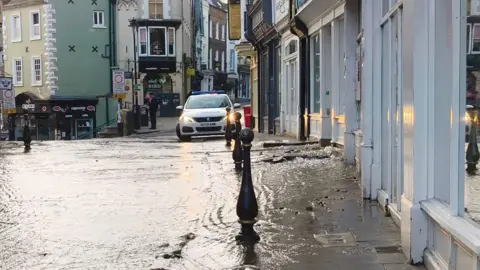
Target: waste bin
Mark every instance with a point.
(129, 125)
(247, 115)
(144, 116)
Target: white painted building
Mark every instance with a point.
(402, 65)
(206, 60)
(288, 58)
(158, 10)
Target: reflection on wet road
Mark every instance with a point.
(136, 203)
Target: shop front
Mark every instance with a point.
(74, 120)
(41, 121)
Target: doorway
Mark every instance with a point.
(291, 112)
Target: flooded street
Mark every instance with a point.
(153, 203)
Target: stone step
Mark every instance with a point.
(107, 134)
(110, 129)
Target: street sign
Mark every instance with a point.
(120, 96)
(137, 87)
(6, 83)
(8, 99)
(118, 82)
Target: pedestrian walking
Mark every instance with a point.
(152, 107)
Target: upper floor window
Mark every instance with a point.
(476, 39)
(171, 41)
(36, 71)
(155, 9)
(16, 34)
(222, 61)
(217, 28)
(142, 40)
(291, 47)
(223, 31)
(156, 41)
(98, 19)
(210, 28)
(35, 25)
(17, 69)
(232, 60)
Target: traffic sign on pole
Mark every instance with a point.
(118, 82)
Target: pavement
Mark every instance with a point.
(150, 202)
(164, 124)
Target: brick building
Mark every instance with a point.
(217, 45)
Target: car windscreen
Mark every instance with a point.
(207, 101)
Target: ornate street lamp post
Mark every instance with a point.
(472, 154)
(27, 138)
(247, 206)
(237, 153)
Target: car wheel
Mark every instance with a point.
(181, 137)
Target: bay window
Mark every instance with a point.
(160, 41)
(476, 39)
(171, 41)
(143, 41)
(157, 41)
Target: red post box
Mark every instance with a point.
(247, 115)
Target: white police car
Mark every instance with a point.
(204, 114)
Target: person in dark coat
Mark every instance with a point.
(152, 108)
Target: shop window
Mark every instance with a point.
(171, 41)
(157, 41)
(476, 39)
(315, 79)
(155, 9)
(278, 71)
(143, 41)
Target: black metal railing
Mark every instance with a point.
(97, 130)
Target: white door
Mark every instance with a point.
(291, 98)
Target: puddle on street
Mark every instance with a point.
(129, 204)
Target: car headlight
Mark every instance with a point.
(467, 118)
(186, 119)
(232, 118)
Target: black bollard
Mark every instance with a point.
(228, 129)
(237, 153)
(472, 154)
(27, 138)
(247, 206)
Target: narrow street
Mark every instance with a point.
(150, 202)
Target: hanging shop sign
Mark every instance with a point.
(234, 20)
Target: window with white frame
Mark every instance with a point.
(171, 41)
(315, 69)
(36, 70)
(155, 9)
(222, 61)
(157, 37)
(210, 55)
(17, 69)
(232, 60)
(142, 40)
(16, 29)
(98, 19)
(210, 28)
(476, 39)
(35, 33)
(223, 31)
(217, 29)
